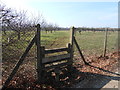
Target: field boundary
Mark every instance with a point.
(41, 65)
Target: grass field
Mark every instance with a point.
(91, 43)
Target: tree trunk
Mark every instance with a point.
(18, 35)
(51, 31)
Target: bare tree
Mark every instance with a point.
(51, 27)
(7, 17)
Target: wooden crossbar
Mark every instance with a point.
(56, 58)
(48, 51)
(57, 66)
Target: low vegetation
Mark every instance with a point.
(17, 32)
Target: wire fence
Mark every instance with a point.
(93, 42)
(14, 42)
(16, 39)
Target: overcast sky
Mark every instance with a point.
(71, 13)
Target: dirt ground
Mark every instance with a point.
(99, 81)
(102, 72)
(108, 77)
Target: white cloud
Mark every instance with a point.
(19, 4)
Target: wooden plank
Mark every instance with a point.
(48, 51)
(55, 58)
(19, 63)
(80, 51)
(57, 66)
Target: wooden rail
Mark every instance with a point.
(55, 58)
(57, 66)
(48, 51)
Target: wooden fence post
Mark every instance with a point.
(105, 43)
(43, 51)
(39, 54)
(72, 31)
(42, 66)
(70, 45)
(71, 53)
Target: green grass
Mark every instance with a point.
(91, 43)
(55, 40)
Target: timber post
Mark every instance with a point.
(105, 42)
(42, 66)
(39, 57)
(70, 45)
(72, 31)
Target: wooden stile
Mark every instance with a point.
(56, 62)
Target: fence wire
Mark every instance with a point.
(16, 39)
(14, 42)
(92, 44)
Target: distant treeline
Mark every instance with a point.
(96, 29)
(90, 29)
